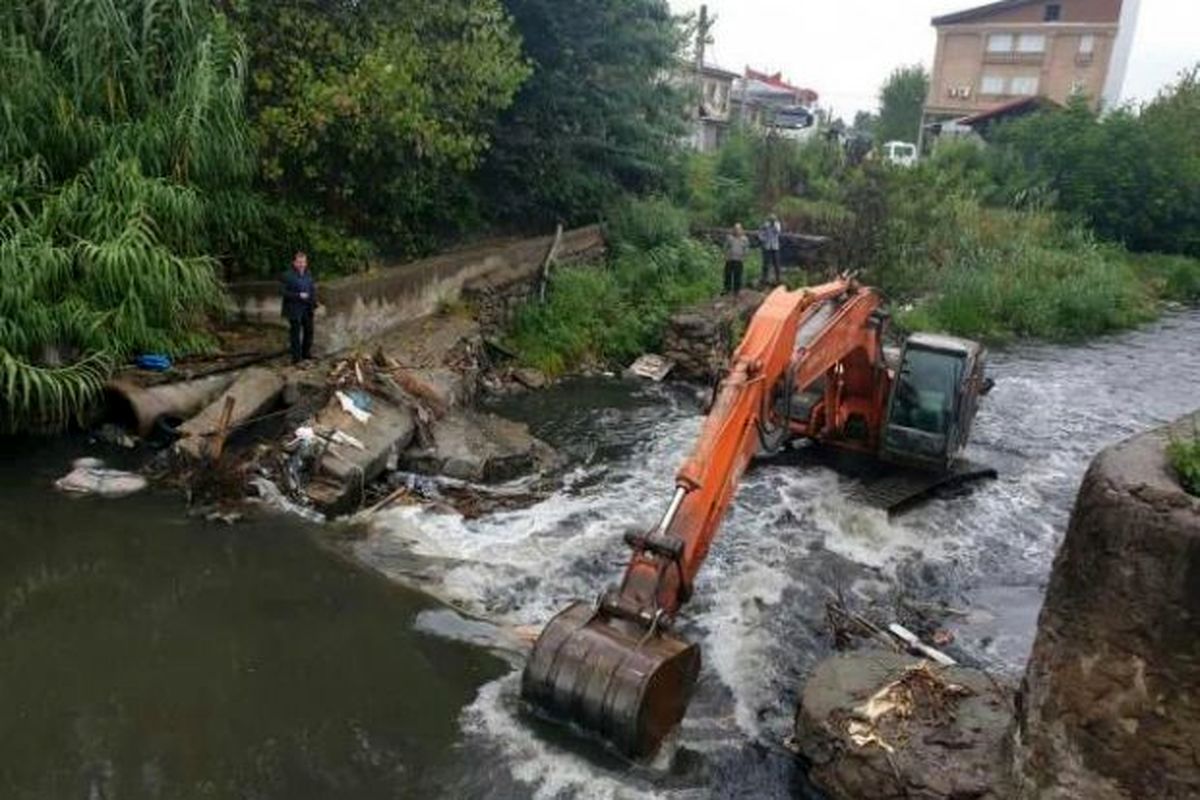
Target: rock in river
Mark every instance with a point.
(877, 724)
(478, 447)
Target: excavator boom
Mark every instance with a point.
(614, 667)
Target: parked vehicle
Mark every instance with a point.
(903, 154)
(794, 122)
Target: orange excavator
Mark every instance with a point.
(812, 365)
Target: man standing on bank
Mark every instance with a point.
(299, 303)
(737, 245)
(768, 237)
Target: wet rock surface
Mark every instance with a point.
(700, 338)
(1110, 706)
(473, 446)
(877, 724)
(344, 469)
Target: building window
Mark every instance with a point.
(1031, 43)
(991, 84)
(1000, 43)
(1053, 12)
(1087, 44)
(1027, 85)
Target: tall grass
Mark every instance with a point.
(995, 275)
(125, 167)
(1184, 457)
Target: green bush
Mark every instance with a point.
(1133, 174)
(1173, 278)
(996, 275)
(1184, 457)
(613, 312)
(286, 229)
(125, 168)
(645, 224)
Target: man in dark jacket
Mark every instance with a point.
(299, 302)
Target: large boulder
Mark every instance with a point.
(879, 725)
(1111, 697)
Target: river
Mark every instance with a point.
(154, 657)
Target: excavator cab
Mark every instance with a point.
(933, 401)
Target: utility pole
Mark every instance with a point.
(702, 30)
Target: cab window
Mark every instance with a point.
(926, 390)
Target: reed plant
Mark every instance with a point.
(125, 170)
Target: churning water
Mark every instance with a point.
(791, 541)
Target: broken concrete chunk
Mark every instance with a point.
(254, 392)
(699, 339)
(356, 452)
(479, 447)
(531, 378)
(651, 367)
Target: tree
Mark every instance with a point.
(598, 116)
(1135, 177)
(125, 165)
(900, 102)
(865, 122)
(374, 113)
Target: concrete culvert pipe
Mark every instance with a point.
(138, 408)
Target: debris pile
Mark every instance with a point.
(334, 437)
(879, 724)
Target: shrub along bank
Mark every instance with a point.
(615, 312)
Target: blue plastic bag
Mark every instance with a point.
(153, 362)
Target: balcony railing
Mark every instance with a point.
(1014, 58)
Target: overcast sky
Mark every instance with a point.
(844, 49)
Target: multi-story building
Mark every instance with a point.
(714, 101)
(995, 54)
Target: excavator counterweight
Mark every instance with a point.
(614, 667)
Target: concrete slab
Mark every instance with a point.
(479, 447)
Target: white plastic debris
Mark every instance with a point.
(651, 367)
(301, 436)
(88, 476)
(351, 408)
(340, 437)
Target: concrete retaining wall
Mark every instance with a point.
(358, 307)
(1110, 705)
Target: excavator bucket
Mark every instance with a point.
(612, 677)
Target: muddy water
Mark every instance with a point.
(791, 541)
(146, 656)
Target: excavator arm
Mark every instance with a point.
(612, 666)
